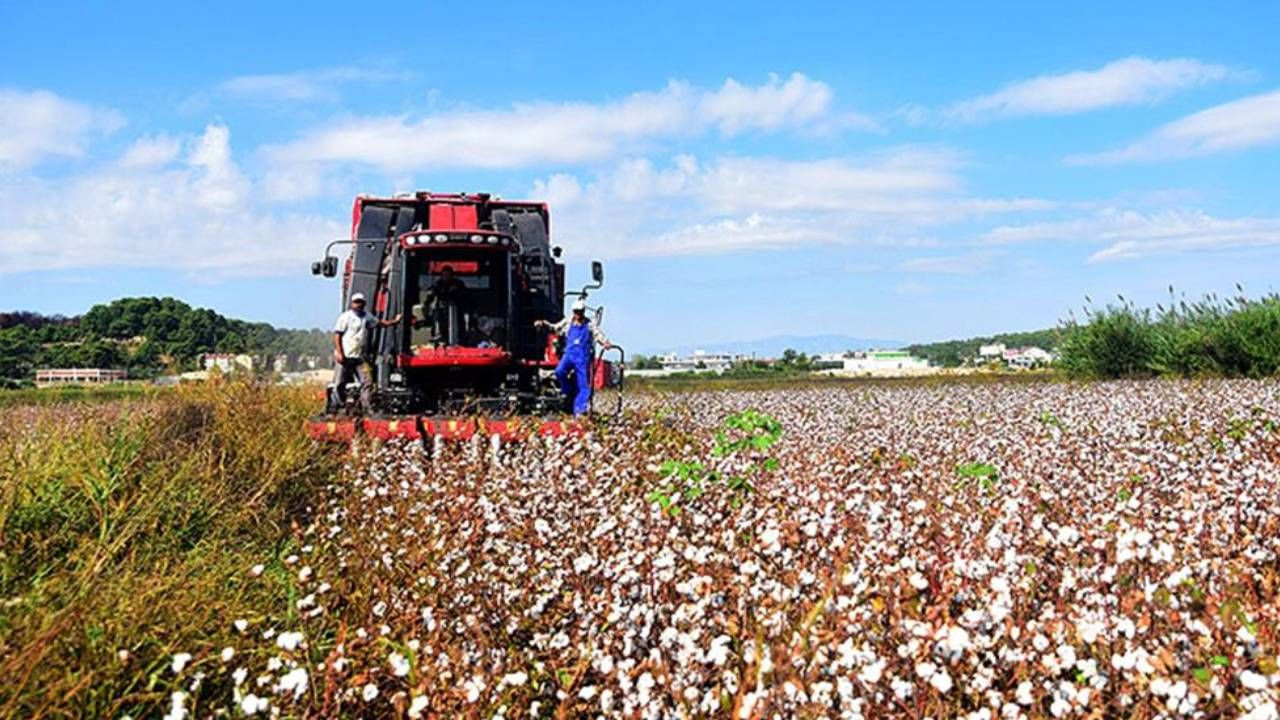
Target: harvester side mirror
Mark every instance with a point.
(597, 272)
(317, 267)
(330, 266)
(556, 251)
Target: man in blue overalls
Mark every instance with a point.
(580, 340)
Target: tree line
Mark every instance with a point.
(145, 335)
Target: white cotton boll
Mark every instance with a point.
(399, 664)
(583, 563)
(257, 569)
(178, 707)
(515, 679)
(473, 688)
(718, 654)
(957, 642)
(1252, 680)
(252, 704)
(179, 662)
(241, 625)
(416, 706)
(941, 681)
(918, 581)
(305, 573)
(1265, 710)
(227, 654)
(1067, 655)
(369, 692)
(1023, 693)
(871, 674)
(925, 670)
(769, 539)
(289, 641)
(294, 681)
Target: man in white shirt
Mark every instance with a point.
(350, 341)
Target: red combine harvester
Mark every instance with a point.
(469, 361)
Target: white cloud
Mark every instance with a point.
(744, 203)
(950, 264)
(1130, 234)
(1252, 121)
(1131, 81)
(37, 124)
(151, 152)
(567, 132)
(319, 85)
(197, 214)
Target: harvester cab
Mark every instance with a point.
(471, 278)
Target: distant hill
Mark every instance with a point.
(143, 335)
(951, 353)
(775, 345)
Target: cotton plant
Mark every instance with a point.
(1119, 561)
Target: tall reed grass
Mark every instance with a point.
(126, 531)
(1221, 337)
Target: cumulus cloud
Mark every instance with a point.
(37, 124)
(1252, 121)
(197, 213)
(1131, 81)
(1129, 234)
(567, 132)
(747, 203)
(151, 152)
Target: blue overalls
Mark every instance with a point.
(578, 350)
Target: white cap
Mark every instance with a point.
(357, 296)
(579, 305)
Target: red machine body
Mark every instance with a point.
(473, 278)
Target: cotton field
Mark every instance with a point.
(982, 551)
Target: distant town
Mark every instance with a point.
(852, 363)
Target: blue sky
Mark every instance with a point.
(888, 170)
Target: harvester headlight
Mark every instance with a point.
(441, 238)
(477, 239)
(492, 239)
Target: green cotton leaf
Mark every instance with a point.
(770, 464)
(1204, 675)
(1220, 661)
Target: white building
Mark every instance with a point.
(828, 361)
(884, 362)
(78, 376)
(699, 361)
(991, 353)
(1027, 357)
(227, 362)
